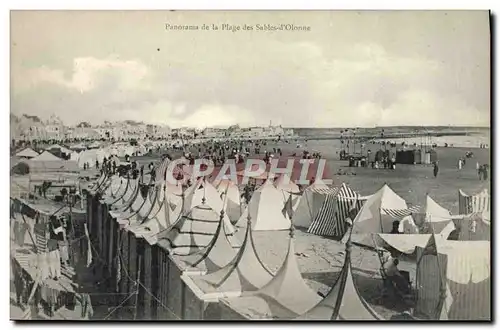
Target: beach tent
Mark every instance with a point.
(330, 219)
(45, 157)
(27, 153)
(477, 203)
(380, 211)
(193, 231)
(246, 272)
(284, 297)
(435, 218)
(174, 202)
(265, 209)
(343, 302)
(289, 189)
(454, 280)
(217, 254)
(53, 166)
(230, 195)
(204, 192)
(60, 148)
(310, 203)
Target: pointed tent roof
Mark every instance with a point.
(230, 195)
(193, 231)
(117, 195)
(265, 209)
(373, 219)
(57, 146)
(150, 227)
(246, 272)
(115, 183)
(435, 212)
(219, 253)
(27, 153)
(288, 288)
(343, 302)
(46, 157)
(203, 190)
(174, 202)
(125, 215)
(128, 197)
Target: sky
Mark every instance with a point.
(350, 69)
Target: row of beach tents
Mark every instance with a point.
(190, 223)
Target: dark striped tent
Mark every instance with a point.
(330, 219)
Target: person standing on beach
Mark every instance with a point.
(478, 169)
(436, 169)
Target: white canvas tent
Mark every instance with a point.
(27, 153)
(343, 302)
(193, 231)
(204, 191)
(376, 215)
(436, 218)
(45, 157)
(216, 255)
(246, 272)
(265, 209)
(284, 297)
(289, 190)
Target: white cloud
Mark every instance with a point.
(88, 73)
(293, 84)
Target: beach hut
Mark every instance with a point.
(454, 280)
(284, 297)
(266, 209)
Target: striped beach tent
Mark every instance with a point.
(478, 203)
(310, 203)
(330, 220)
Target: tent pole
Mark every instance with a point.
(380, 219)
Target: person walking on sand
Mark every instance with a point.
(460, 163)
(478, 169)
(436, 169)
